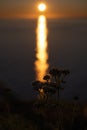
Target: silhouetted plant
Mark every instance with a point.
(5, 94)
(47, 78)
(58, 75)
(7, 97)
(52, 83)
(75, 107)
(76, 98)
(37, 85)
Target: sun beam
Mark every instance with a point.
(41, 64)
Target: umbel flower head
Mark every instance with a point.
(52, 83)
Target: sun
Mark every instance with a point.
(42, 7)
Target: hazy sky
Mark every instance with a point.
(55, 8)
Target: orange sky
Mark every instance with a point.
(55, 9)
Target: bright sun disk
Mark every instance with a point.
(42, 7)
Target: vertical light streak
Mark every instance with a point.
(41, 64)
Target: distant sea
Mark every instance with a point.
(67, 47)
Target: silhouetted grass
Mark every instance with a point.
(39, 116)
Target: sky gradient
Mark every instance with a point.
(55, 8)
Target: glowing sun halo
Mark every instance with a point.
(42, 7)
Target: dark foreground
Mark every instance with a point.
(34, 115)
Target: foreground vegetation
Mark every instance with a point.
(39, 116)
(47, 112)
